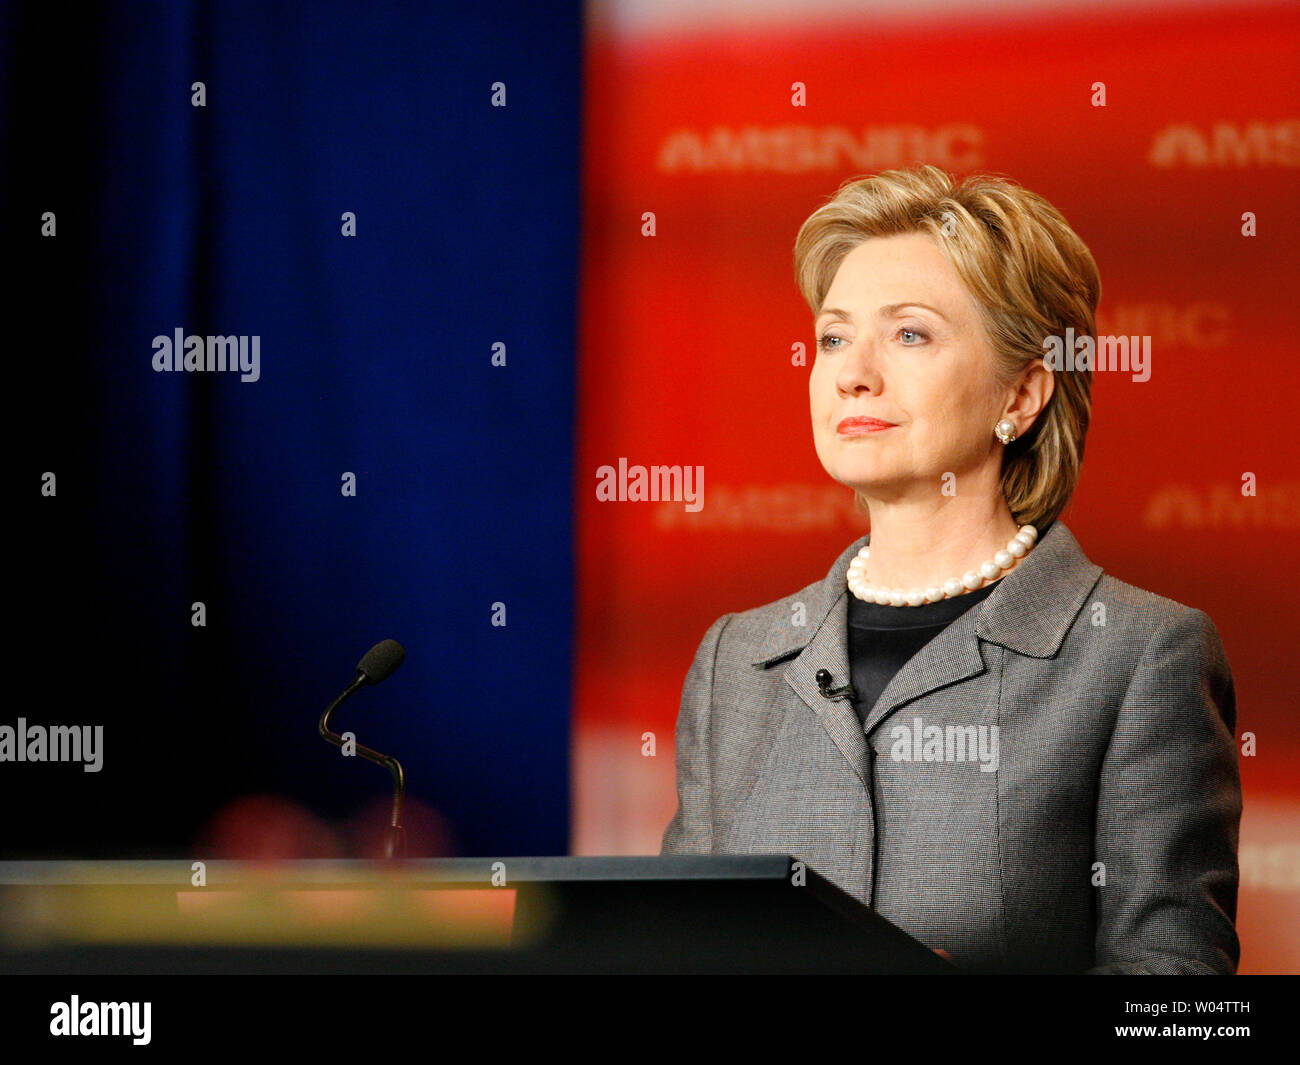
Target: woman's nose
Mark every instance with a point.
(859, 369)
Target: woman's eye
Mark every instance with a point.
(911, 338)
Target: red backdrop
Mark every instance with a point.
(687, 337)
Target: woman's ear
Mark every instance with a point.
(1029, 395)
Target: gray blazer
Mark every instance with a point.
(1095, 829)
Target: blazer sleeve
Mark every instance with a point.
(691, 829)
(1169, 810)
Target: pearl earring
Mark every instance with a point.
(1005, 430)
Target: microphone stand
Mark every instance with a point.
(395, 837)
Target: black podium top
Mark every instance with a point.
(620, 914)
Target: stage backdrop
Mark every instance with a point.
(384, 196)
(726, 131)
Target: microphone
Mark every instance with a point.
(379, 663)
(824, 686)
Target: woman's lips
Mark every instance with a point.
(859, 426)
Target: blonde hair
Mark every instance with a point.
(1029, 274)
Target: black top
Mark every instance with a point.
(883, 638)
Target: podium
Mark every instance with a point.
(670, 914)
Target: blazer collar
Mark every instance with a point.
(1029, 613)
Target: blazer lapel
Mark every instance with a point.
(829, 650)
(951, 656)
(821, 643)
(1029, 613)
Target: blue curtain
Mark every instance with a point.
(375, 360)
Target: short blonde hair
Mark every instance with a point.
(1029, 274)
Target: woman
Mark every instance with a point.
(967, 725)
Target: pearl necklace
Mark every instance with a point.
(1017, 547)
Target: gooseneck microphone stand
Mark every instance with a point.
(395, 843)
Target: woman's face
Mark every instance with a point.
(899, 340)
